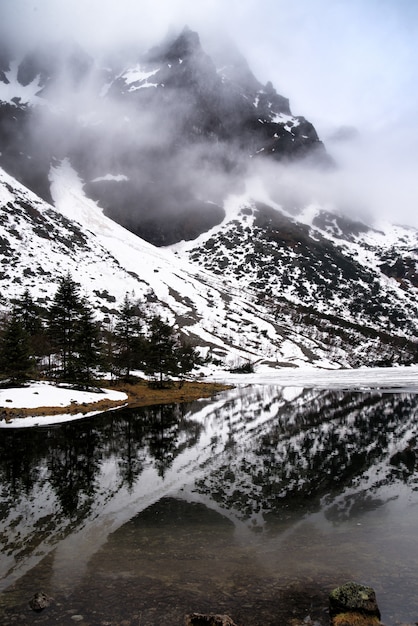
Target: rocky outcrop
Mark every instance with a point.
(353, 604)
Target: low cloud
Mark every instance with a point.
(340, 64)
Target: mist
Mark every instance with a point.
(341, 64)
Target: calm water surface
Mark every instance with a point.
(256, 504)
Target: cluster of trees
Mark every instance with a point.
(66, 342)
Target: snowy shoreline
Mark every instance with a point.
(43, 394)
(37, 394)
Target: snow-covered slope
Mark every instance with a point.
(209, 290)
(40, 243)
(342, 281)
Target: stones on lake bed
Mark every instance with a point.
(200, 619)
(40, 601)
(353, 604)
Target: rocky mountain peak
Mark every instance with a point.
(185, 45)
(176, 49)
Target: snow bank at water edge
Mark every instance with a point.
(42, 394)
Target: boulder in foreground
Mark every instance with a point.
(353, 604)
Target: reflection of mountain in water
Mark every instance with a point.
(316, 446)
(253, 453)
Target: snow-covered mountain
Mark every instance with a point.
(114, 162)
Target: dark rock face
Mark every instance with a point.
(403, 269)
(340, 226)
(5, 58)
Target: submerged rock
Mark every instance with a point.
(353, 604)
(199, 619)
(40, 601)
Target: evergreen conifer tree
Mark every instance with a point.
(188, 358)
(16, 361)
(88, 344)
(129, 337)
(29, 315)
(166, 355)
(73, 332)
(63, 322)
(161, 361)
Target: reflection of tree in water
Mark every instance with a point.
(128, 447)
(18, 468)
(70, 457)
(73, 464)
(163, 435)
(404, 461)
(164, 439)
(310, 450)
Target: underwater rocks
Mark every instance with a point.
(39, 602)
(199, 619)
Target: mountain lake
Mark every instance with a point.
(255, 504)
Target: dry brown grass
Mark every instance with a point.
(139, 394)
(355, 619)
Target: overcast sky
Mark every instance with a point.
(340, 62)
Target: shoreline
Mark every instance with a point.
(137, 394)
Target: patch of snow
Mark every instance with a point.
(137, 74)
(283, 118)
(26, 94)
(143, 86)
(46, 394)
(115, 177)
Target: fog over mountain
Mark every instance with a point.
(159, 141)
(340, 64)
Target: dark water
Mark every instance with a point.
(255, 504)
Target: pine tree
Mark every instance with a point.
(16, 361)
(64, 316)
(166, 353)
(88, 345)
(73, 331)
(29, 315)
(188, 358)
(161, 359)
(129, 337)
